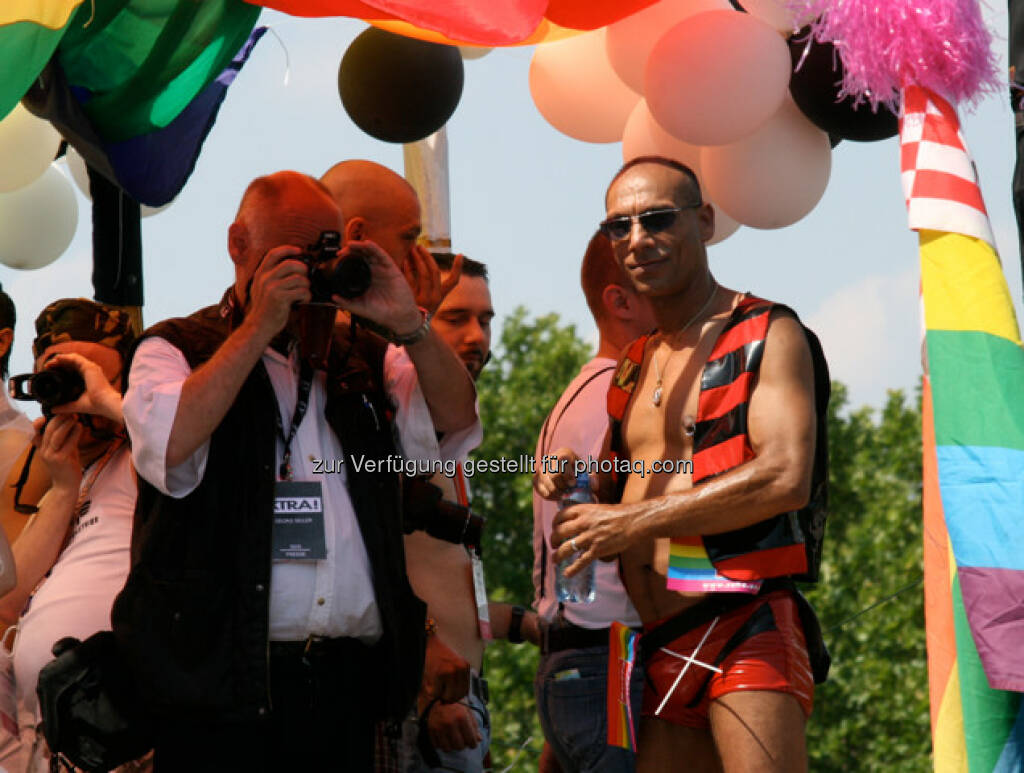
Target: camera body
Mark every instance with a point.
(49, 387)
(426, 510)
(348, 276)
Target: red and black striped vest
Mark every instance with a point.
(788, 544)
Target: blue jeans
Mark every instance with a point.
(571, 690)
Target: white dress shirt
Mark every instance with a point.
(331, 597)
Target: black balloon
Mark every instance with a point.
(399, 89)
(815, 84)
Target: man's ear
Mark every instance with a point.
(6, 339)
(238, 242)
(355, 230)
(615, 301)
(706, 221)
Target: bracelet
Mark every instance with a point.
(515, 624)
(416, 335)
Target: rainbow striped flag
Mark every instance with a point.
(973, 441)
(690, 569)
(622, 641)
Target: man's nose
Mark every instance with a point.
(637, 234)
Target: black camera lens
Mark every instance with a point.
(49, 387)
(348, 277)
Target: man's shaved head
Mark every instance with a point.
(376, 204)
(687, 184)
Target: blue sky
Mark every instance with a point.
(525, 200)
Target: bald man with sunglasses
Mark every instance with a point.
(716, 502)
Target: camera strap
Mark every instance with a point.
(301, 403)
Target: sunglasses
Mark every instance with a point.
(654, 221)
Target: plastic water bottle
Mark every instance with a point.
(578, 589)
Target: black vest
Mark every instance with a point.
(192, 618)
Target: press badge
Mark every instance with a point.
(298, 521)
(483, 606)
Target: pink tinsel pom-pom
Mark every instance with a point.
(942, 45)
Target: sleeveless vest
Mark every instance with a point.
(785, 545)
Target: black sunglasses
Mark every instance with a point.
(654, 221)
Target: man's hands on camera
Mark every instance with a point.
(100, 397)
(389, 301)
(57, 440)
(280, 281)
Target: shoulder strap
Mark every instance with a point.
(627, 374)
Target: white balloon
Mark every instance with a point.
(775, 176)
(725, 226)
(775, 13)
(38, 222)
(27, 146)
(79, 173)
(630, 40)
(717, 77)
(576, 90)
(474, 52)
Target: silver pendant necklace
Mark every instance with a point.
(656, 395)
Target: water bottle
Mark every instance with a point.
(578, 589)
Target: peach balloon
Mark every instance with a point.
(577, 91)
(725, 226)
(775, 176)
(644, 137)
(630, 40)
(775, 13)
(717, 77)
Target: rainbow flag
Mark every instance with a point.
(973, 441)
(622, 641)
(690, 569)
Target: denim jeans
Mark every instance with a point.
(571, 690)
(464, 761)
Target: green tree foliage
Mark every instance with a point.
(872, 715)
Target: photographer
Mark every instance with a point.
(263, 641)
(72, 555)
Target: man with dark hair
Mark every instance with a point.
(574, 640)
(267, 617)
(72, 555)
(15, 428)
(718, 441)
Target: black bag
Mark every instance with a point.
(91, 714)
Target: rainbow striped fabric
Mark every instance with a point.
(973, 439)
(690, 569)
(621, 658)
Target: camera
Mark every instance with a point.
(49, 387)
(426, 510)
(348, 276)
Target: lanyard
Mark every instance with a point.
(301, 403)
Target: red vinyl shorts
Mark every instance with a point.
(773, 657)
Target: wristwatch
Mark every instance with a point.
(416, 335)
(515, 624)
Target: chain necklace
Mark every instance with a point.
(656, 396)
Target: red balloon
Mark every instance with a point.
(592, 14)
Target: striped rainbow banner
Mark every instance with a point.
(690, 569)
(622, 641)
(973, 441)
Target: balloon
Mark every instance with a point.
(398, 89)
(576, 90)
(27, 146)
(473, 52)
(644, 137)
(775, 176)
(630, 41)
(774, 13)
(815, 85)
(37, 222)
(591, 14)
(79, 173)
(716, 77)
(725, 226)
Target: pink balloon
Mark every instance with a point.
(644, 137)
(630, 40)
(576, 90)
(725, 226)
(775, 176)
(717, 77)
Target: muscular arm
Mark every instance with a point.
(781, 427)
(446, 384)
